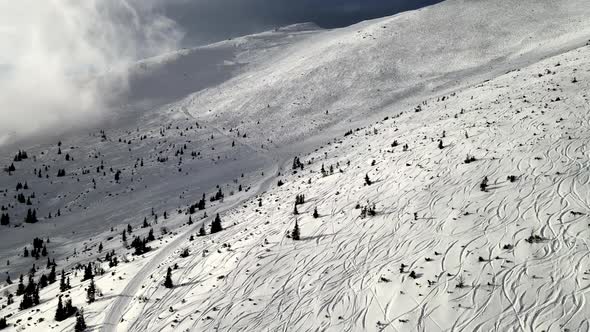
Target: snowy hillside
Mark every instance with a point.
(441, 252)
(439, 158)
(357, 72)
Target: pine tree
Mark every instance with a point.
(484, 184)
(36, 298)
(69, 308)
(64, 311)
(63, 284)
(168, 282)
(3, 323)
(31, 217)
(315, 213)
(59, 312)
(80, 322)
(51, 277)
(151, 236)
(295, 233)
(31, 295)
(368, 180)
(202, 231)
(88, 273)
(201, 204)
(4, 219)
(91, 292)
(43, 281)
(21, 286)
(295, 212)
(216, 225)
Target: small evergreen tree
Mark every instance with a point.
(201, 204)
(64, 284)
(64, 311)
(295, 233)
(4, 219)
(80, 322)
(168, 282)
(368, 180)
(43, 281)
(216, 225)
(51, 277)
(202, 231)
(31, 217)
(88, 273)
(315, 213)
(185, 253)
(484, 184)
(91, 292)
(3, 323)
(21, 286)
(31, 295)
(151, 236)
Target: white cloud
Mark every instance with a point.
(49, 49)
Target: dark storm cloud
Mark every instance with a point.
(207, 21)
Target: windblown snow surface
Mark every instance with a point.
(505, 82)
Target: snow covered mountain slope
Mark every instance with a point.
(265, 83)
(357, 72)
(215, 126)
(433, 250)
(441, 252)
(166, 159)
(156, 81)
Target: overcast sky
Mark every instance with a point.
(208, 21)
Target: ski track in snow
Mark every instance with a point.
(344, 274)
(117, 310)
(330, 279)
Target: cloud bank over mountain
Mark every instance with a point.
(50, 49)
